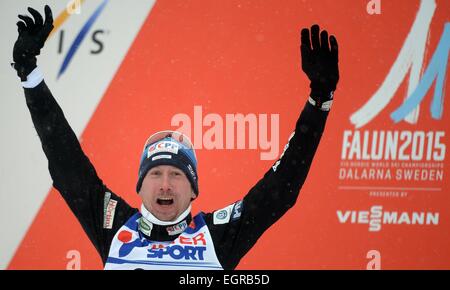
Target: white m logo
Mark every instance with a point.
(411, 58)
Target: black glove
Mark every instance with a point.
(32, 36)
(320, 63)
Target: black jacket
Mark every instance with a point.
(76, 179)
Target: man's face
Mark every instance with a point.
(166, 192)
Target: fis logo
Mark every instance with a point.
(85, 29)
(411, 59)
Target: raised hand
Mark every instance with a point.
(320, 63)
(32, 35)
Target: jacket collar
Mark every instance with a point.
(157, 230)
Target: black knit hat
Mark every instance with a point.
(169, 148)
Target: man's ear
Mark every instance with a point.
(193, 195)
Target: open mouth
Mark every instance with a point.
(164, 201)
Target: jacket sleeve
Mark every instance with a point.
(100, 212)
(272, 196)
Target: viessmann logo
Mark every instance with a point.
(375, 217)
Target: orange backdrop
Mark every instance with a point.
(234, 57)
